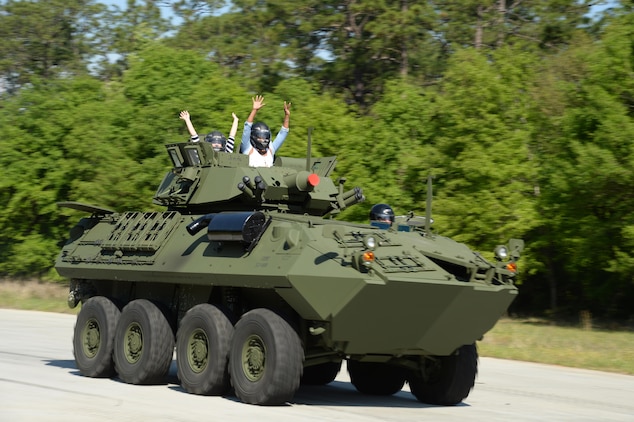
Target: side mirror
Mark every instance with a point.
(516, 246)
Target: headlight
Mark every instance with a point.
(369, 242)
(501, 252)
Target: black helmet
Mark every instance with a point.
(260, 136)
(382, 212)
(217, 139)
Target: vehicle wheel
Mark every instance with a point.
(266, 359)
(93, 337)
(321, 374)
(374, 378)
(143, 343)
(203, 342)
(450, 381)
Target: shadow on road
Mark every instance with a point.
(337, 393)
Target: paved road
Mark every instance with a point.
(39, 382)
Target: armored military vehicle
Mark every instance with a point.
(247, 276)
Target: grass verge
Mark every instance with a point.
(532, 340)
(35, 296)
(536, 340)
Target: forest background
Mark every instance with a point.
(521, 110)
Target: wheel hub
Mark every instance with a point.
(133, 346)
(198, 351)
(91, 338)
(254, 358)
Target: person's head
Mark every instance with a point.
(260, 137)
(382, 213)
(217, 140)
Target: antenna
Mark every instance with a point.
(310, 131)
(428, 206)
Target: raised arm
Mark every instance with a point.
(283, 133)
(232, 133)
(258, 103)
(287, 114)
(184, 115)
(234, 126)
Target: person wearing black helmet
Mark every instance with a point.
(381, 215)
(216, 138)
(256, 137)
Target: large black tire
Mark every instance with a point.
(143, 344)
(93, 338)
(203, 342)
(266, 359)
(321, 374)
(450, 381)
(374, 378)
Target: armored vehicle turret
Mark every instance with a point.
(247, 275)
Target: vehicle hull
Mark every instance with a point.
(427, 312)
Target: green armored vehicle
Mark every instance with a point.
(247, 276)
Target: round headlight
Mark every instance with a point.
(369, 242)
(501, 252)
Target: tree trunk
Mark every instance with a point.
(500, 23)
(404, 51)
(477, 42)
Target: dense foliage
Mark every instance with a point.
(523, 112)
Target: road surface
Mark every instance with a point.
(39, 382)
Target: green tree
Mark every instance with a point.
(350, 46)
(125, 32)
(491, 24)
(45, 39)
(484, 172)
(586, 154)
(372, 41)
(40, 134)
(397, 152)
(248, 40)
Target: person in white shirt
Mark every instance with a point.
(256, 137)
